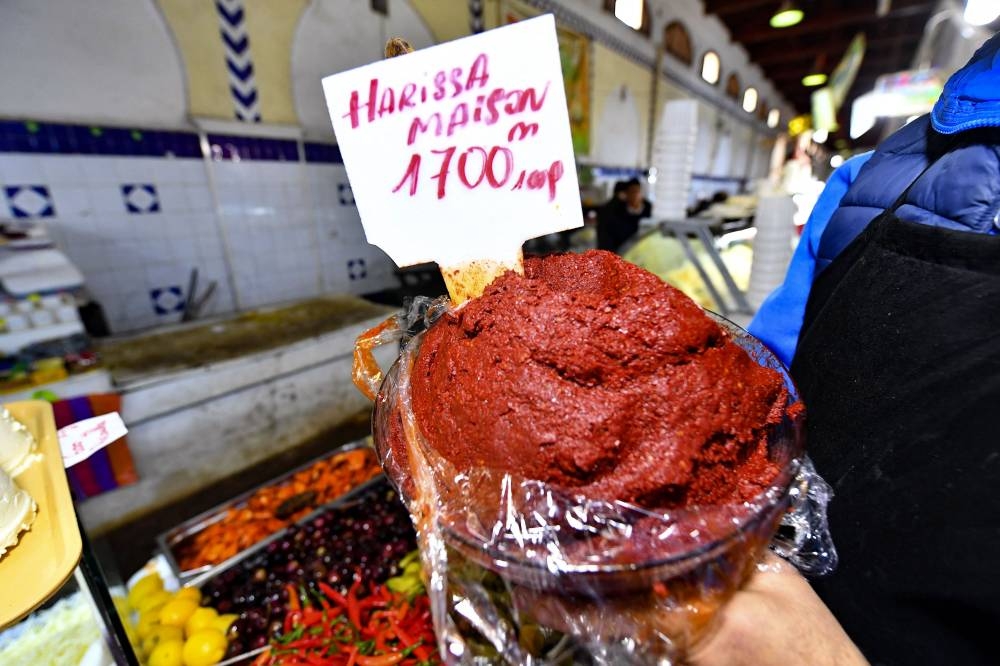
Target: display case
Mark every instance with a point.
(77, 626)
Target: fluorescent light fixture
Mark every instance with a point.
(629, 12)
(787, 16)
(981, 12)
(773, 117)
(836, 161)
(750, 100)
(813, 80)
(820, 136)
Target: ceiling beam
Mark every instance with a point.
(826, 21)
(773, 56)
(727, 7)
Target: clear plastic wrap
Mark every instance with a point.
(521, 572)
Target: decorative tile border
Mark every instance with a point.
(60, 139)
(234, 147)
(34, 137)
(326, 153)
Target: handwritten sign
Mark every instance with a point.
(78, 441)
(460, 152)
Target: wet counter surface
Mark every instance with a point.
(199, 344)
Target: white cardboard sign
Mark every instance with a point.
(78, 441)
(461, 151)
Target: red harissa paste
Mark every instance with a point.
(592, 374)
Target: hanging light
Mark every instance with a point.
(787, 16)
(836, 161)
(981, 12)
(813, 80)
(820, 136)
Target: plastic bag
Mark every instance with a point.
(521, 572)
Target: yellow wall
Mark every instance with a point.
(195, 27)
(611, 71)
(271, 29)
(271, 26)
(446, 19)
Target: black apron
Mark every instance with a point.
(898, 364)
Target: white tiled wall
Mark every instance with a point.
(342, 238)
(127, 256)
(270, 234)
(290, 232)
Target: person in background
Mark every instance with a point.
(618, 220)
(890, 316)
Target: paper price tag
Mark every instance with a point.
(460, 152)
(78, 441)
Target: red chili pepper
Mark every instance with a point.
(293, 597)
(353, 609)
(353, 659)
(381, 660)
(291, 619)
(402, 635)
(333, 594)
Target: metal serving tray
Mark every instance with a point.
(206, 573)
(166, 541)
(344, 500)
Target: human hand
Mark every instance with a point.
(776, 618)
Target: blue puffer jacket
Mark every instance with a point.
(960, 191)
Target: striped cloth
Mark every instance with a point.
(109, 468)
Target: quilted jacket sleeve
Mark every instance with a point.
(779, 320)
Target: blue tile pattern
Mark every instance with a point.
(229, 147)
(140, 198)
(475, 16)
(356, 269)
(345, 194)
(326, 153)
(60, 139)
(32, 137)
(239, 62)
(28, 201)
(167, 300)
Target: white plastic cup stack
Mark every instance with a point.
(673, 158)
(772, 246)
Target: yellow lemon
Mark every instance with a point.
(164, 633)
(122, 606)
(151, 602)
(161, 634)
(167, 653)
(145, 585)
(149, 643)
(146, 626)
(192, 593)
(176, 613)
(204, 648)
(203, 618)
(133, 638)
(225, 621)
